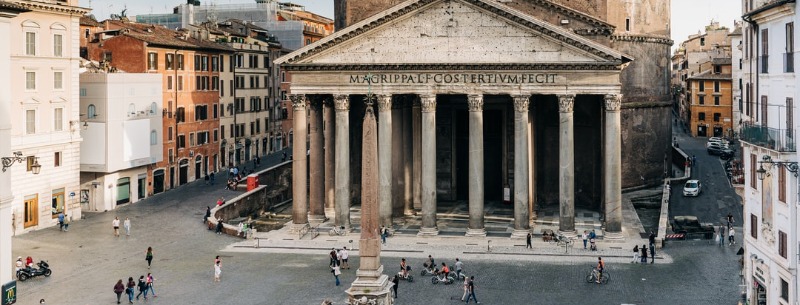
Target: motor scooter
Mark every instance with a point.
(439, 277)
(29, 272)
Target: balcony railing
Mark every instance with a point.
(772, 138)
(788, 62)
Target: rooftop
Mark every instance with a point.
(159, 35)
(707, 75)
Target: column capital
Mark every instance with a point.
(428, 102)
(613, 102)
(521, 102)
(299, 101)
(475, 102)
(384, 102)
(341, 102)
(566, 102)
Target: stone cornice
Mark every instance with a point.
(642, 38)
(457, 67)
(62, 9)
(500, 10)
(568, 12)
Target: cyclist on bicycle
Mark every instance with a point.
(445, 270)
(404, 267)
(430, 263)
(600, 267)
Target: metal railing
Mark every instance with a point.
(772, 138)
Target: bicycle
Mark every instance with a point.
(561, 240)
(337, 231)
(593, 274)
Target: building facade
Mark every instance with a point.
(640, 29)
(190, 71)
(710, 99)
(125, 136)
(769, 151)
(44, 113)
(456, 122)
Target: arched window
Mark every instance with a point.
(153, 137)
(153, 108)
(91, 112)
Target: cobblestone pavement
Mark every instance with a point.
(88, 260)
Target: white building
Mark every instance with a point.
(122, 138)
(737, 63)
(770, 155)
(45, 119)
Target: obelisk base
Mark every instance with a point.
(371, 291)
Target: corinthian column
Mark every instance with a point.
(566, 162)
(299, 167)
(342, 180)
(428, 146)
(612, 164)
(476, 175)
(385, 159)
(327, 118)
(316, 201)
(416, 166)
(521, 221)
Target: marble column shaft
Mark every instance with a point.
(299, 161)
(416, 170)
(428, 164)
(316, 200)
(342, 156)
(330, 174)
(521, 218)
(566, 162)
(385, 159)
(476, 173)
(612, 164)
(408, 150)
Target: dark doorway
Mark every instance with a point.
(718, 131)
(171, 178)
(141, 187)
(461, 117)
(205, 165)
(184, 172)
(701, 131)
(158, 181)
(198, 163)
(493, 154)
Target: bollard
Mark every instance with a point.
(489, 246)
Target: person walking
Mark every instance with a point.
(336, 272)
(721, 235)
(466, 289)
(395, 281)
(332, 257)
(528, 241)
(219, 226)
(471, 288)
(150, 281)
(459, 266)
(208, 214)
(130, 289)
(127, 225)
(142, 287)
(644, 254)
(212, 178)
(149, 256)
(345, 256)
(652, 244)
(383, 234)
(585, 238)
(730, 220)
(217, 271)
(635, 254)
(118, 289)
(61, 221)
(115, 224)
(67, 220)
(731, 240)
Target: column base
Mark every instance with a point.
(613, 236)
(428, 232)
(569, 234)
(317, 218)
(519, 234)
(369, 291)
(295, 228)
(330, 213)
(476, 232)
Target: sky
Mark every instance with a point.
(688, 16)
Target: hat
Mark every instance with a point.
(19, 257)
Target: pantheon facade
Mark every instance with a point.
(473, 97)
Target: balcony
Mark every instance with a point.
(771, 138)
(788, 62)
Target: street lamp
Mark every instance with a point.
(18, 158)
(791, 166)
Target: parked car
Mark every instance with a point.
(689, 225)
(714, 150)
(717, 145)
(726, 154)
(692, 188)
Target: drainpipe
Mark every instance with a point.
(235, 107)
(175, 113)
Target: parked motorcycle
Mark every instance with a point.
(29, 272)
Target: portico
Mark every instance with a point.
(474, 109)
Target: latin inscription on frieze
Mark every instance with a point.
(455, 78)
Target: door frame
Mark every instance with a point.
(31, 213)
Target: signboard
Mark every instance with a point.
(9, 293)
(455, 78)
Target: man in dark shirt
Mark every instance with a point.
(652, 240)
(471, 290)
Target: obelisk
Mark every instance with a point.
(370, 284)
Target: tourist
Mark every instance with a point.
(345, 256)
(149, 256)
(528, 241)
(471, 288)
(396, 281)
(217, 271)
(142, 287)
(208, 214)
(220, 201)
(219, 226)
(127, 225)
(150, 281)
(332, 256)
(336, 272)
(459, 266)
(118, 289)
(129, 290)
(721, 235)
(61, 221)
(731, 240)
(115, 224)
(644, 254)
(652, 242)
(585, 238)
(466, 288)
(383, 234)
(635, 254)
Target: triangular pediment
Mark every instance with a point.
(452, 32)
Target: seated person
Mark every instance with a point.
(430, 263)
(404, 267)
(445, 270)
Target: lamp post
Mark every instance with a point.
(18, 158)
